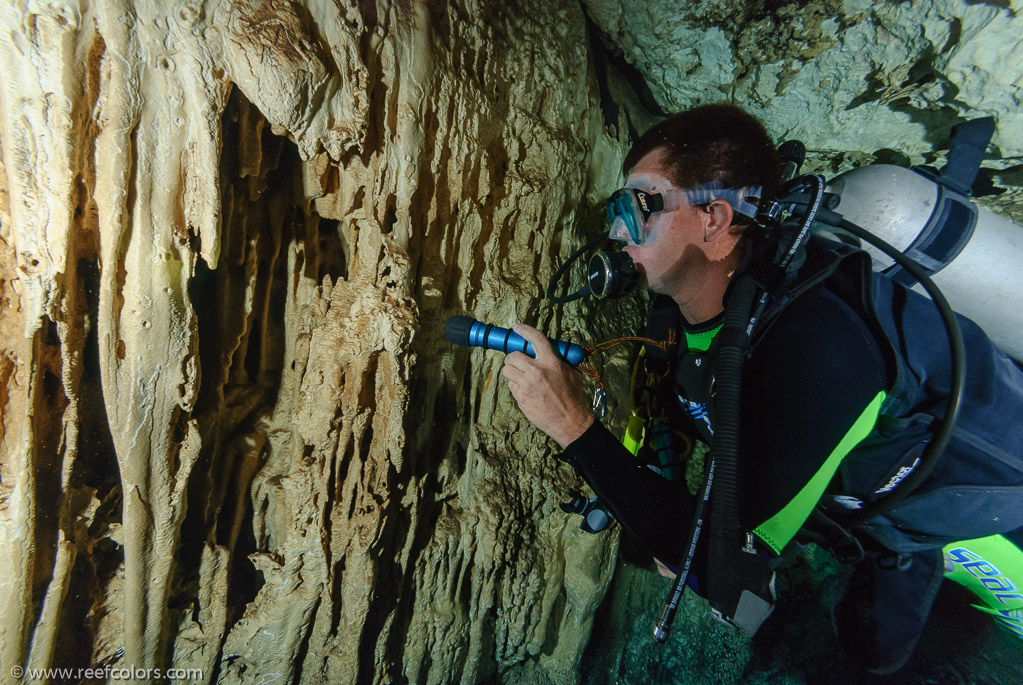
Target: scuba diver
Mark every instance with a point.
(843, 386)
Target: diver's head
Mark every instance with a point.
(712, 143)
(694, 182)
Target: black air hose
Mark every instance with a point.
(725, 450)
(732, 350)
(955, 396)
(728, 379)
(582, 292)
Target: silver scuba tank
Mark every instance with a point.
(974, 255)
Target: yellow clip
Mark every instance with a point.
(633, 439)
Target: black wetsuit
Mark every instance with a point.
(855, 351)
(809, 380)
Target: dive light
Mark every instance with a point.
(468, 332)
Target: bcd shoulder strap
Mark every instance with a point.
(824, 260)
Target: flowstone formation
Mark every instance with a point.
(232, 437)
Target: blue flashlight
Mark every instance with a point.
(468, 332)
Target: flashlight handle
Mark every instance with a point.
(466, 331)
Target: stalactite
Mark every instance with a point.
(234, 233)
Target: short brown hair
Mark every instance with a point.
(720, 142)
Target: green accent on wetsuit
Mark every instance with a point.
(700, 342)
(991, 567)
(780, 528)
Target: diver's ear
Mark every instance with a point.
(718, 217)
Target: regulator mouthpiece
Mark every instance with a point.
(609, 274)
(612, 274)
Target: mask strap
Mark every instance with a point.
(706, 193)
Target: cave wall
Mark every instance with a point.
(857, 81)
(232, 437)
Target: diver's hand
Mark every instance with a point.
(549, 391)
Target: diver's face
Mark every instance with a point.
(662, 263)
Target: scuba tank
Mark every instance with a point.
(972, 254)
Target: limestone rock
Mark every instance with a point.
(234, 438)
(854, 80)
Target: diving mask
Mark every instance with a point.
(639, 212)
